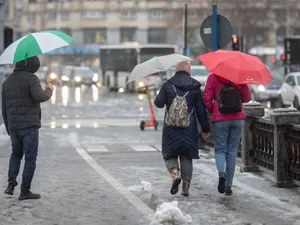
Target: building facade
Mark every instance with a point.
(262, 22)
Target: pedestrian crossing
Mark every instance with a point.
(117, 148)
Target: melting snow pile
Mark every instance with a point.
(169, 213)
(145, 187)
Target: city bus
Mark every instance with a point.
(117, 62)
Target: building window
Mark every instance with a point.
(65, 15)
(93, 14)
(193, 15)
(128, 34)
(32, 1)
(31, 18)
(94, 36)
(157, 14)
(157, 36)
(51, 15)
(128, 14)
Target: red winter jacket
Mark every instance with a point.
(212, 89)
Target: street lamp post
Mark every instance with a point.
(288, 17)
(215, 25)
(2, 12)
(185, 27)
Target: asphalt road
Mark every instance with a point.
(93, 158)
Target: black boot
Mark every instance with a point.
(221, 185)
(28, 195)
(228, 191)
(10, 189)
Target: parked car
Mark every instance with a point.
(268, 92)
(289, 92)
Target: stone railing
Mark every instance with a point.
(270, 144)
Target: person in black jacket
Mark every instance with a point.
(21, 97)
(182, 142)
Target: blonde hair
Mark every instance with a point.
(183, 66)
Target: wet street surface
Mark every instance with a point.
(95, 167)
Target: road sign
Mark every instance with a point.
(225, 31)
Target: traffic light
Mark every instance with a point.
(235, 43)
(8, 36)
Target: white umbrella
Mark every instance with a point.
(155, 65)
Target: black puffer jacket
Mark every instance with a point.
(21, 96)
(182, 141)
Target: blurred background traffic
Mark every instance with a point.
(114, 36)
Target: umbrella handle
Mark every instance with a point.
(44, 75)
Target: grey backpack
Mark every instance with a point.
(178, 114)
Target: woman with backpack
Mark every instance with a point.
(223, 100)
(182, 97)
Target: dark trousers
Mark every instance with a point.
(24, 142)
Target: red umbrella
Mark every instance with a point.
(238, 67)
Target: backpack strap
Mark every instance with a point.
(174, 89)
(218, 79)
(177, 93)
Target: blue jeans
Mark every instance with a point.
(227, 136)
(24, 142)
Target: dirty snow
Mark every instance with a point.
(169, 213)
(144, 187)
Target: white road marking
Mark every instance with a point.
(158, 147)
(135, 201)
(143, 148)
(97, 148)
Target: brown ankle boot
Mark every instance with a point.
(176, 181)
(185, 188)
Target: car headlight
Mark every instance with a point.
(65, 78)
(53, 76)
(261, 88)
(141, 84)
(77, 79)
(95, 77)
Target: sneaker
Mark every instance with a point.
(228, 191)
(10, 189)
(29, 195)
(185, 188)
(221, 185)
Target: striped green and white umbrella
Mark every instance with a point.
(34, 44)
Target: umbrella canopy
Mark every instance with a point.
(155, 65)
(238, 67)
(34, 44)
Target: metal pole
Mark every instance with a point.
(2, 11)
(288, 16)
(215, 25)
(185, 27)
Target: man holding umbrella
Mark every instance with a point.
(21, 97)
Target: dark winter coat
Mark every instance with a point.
(183, 141)
(21, 96)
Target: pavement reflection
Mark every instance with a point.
(68, 95)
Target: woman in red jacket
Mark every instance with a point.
(227, 130)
